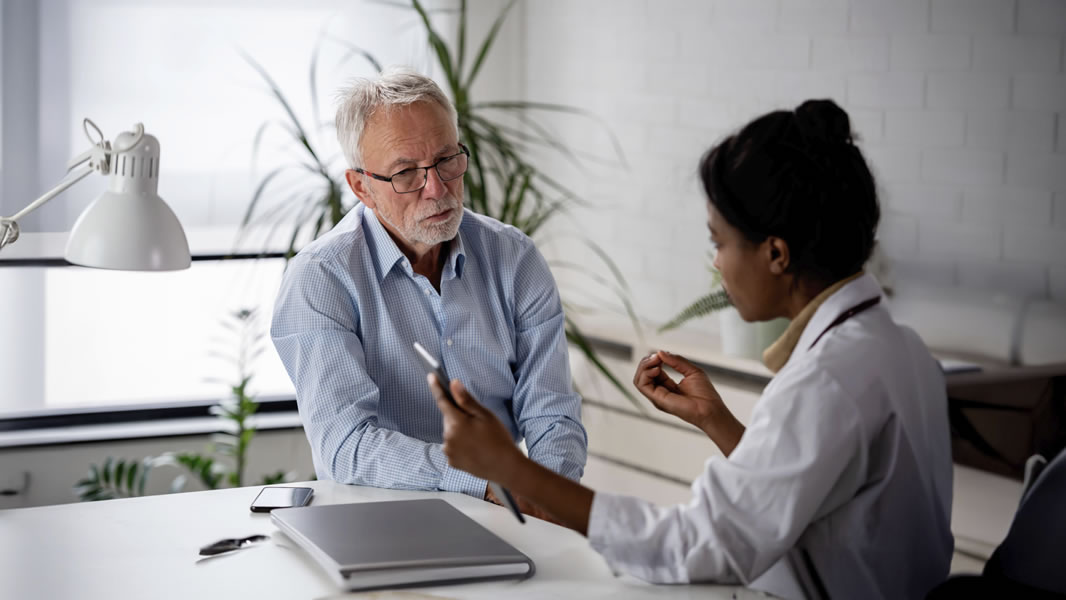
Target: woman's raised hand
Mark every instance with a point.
(693, 399)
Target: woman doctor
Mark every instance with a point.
(840, 485)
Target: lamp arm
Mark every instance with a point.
(98, 158)
(76, 176)
(9, 231)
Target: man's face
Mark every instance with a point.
(404, 137)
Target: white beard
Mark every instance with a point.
(414, 230)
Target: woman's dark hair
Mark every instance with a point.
(797, 175)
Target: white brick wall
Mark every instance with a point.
(1058, 283)
(960, 240)
(1011, 131)
(886, 90)
(937, 202)
(925, 128)
(813, 16)
(1049, 169)
(1006, 205)
(1003, 53)
(960, 106)
(1041, 16)
(898, 16)
(926, 52)
(968, 91)
(1039, 92)
(969, 16)
(850, 54)
(1060, 145)
(1033, 244)
(962, 167)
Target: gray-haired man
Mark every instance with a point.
(410, 264)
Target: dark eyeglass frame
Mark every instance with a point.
(425, 171)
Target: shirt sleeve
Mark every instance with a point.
(800, 457)
(313, 330)
(546, 409)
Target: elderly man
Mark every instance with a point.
(407, 265)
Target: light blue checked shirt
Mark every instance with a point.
(349, 310)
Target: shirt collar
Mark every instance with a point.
(817, 315)
(387, 254)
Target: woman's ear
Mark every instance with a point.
(779, 255)
(359, 187)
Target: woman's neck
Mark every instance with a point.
(803, 292)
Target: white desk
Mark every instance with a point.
(147, 548)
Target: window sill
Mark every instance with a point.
(134, 430)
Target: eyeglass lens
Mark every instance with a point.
(410, 180)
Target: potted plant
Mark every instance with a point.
(502, 181)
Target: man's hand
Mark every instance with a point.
(474, 439)
(693, 399)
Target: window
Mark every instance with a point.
(79, 339)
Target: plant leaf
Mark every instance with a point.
(443, 56)
(487, 44)
(705, 305)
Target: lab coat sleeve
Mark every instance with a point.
(801, 456)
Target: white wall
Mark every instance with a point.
(960, 105)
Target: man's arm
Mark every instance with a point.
(313, 329)
(546, 409)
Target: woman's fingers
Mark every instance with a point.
(466, 402)
(443, 404)
(664, 380)
(679, 364)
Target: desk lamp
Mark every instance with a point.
(128, 226)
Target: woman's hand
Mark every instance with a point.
(693, 399)
(476, 442)
(474, 439)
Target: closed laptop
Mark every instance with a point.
(400, 543)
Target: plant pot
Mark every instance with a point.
(738, 336)
(747, 340)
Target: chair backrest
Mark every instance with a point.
(1033, 551)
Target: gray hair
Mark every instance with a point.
(395, 86)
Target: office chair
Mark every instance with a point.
(1031, 560)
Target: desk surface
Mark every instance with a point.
(147, 547)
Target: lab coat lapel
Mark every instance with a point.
(854, 292)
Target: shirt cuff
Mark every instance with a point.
(454, 480)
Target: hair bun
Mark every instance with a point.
(824, 122)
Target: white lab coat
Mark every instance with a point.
(840, 486)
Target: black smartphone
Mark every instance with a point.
(272, 497)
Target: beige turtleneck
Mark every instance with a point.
(780, 351)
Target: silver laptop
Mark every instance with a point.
(401, 543)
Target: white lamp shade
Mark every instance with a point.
(131, 233)
(129, 227)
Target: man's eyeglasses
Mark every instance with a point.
(415, 178)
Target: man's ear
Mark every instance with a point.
(359, 186)
(779, 258)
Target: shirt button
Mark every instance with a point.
(427, 292)
(449, 341)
